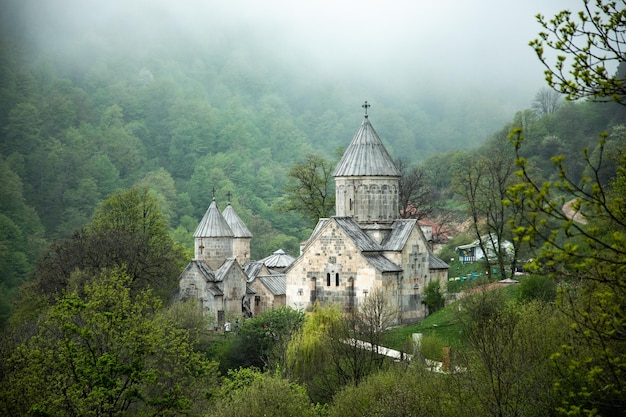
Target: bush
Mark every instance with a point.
(431, 347)
(536, 287)
(264, 395)
(433, 297)
(396, 392)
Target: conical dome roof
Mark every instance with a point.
(234, 221)
(213, 224)
(279, 259)
(366, 156)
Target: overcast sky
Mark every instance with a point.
(399, 45)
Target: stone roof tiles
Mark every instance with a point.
(213, 224)
(354, 231)
(224, 269)
(279, 259)
(237, 226)
(381, 263)
(276, 284)
(436, 263)
(252, 269)
(400, 233)
(366, 156)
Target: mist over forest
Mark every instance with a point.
(440, 77)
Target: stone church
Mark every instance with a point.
(222, 279)
(365, 246)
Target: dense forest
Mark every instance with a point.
(98, 126)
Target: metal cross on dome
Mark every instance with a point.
(366, 106)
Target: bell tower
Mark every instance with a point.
(366, 179)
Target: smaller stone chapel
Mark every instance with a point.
(222, 279)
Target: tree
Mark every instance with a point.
(263, 340)
(537, 287)
(593, 38)
(506, 369)
(590, 256)
(106, 352)
(128, 229)
(411, 391)
(261, 395)
(416, 199)
(308, 353)
(546, 102)
(350, 360)
(21, 238)
(433, 297)
(483, 185)
(23, 130)
(330, 352)
(310, 190)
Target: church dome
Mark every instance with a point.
(213, 224)
(366, 156)
(279, 259)
(234, 221)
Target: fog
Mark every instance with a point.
(388, 49)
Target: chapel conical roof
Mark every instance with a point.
(366, 156)
(279, 259)
(234, 221)
(213, 224)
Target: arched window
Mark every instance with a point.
(328, 279)
(337, 279)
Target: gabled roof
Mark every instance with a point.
(276, 284)
(202, 268)
(354, 231)
(279, 259)
(253, 269)
(366, 156)
(381, 263)
(400, 233)
(319, 226)
(488, 240)
(436, 263)
(213, 224)
(225, 268)
(236, 224)
(214, 290)
(367, 247)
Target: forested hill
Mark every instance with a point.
(87, 109)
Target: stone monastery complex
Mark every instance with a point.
(363, 248)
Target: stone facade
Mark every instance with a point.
(340, 267)
(367, 199)
(269, 292)
(214, 251)
(222, 294)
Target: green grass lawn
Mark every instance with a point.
(443, 324)
(441, 327)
